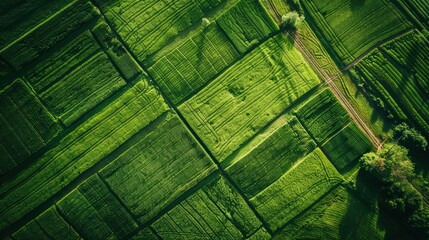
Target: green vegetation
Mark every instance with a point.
(339, 215)
(37, 41)
(48, 225)
(304, 183)
(346, 146)
(150, 26)
(249, 94)
(215, 211)
(352, 27)
(95, 212)
(397, 74)
(417, 9)
(185, 69)
(271, 158)
(323, 115)
(410, 137)
(292, 20)
(26, 125)
(157, 169)
(80, 150)
(246, 24)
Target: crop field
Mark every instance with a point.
(238, 95)
(353, 27)
(403, 83)
(202, 119)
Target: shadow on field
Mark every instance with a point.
(356, 4)
(364, 218)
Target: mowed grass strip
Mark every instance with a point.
(246, 24)
(323, 115)
(248, 95)
(147, 26)
(193, 63)
(339, 215)
(346, 146)
(48, 225)
(80, 150)
(26, 125)
(216, 211)
(398, 75)
(158, 169)
(302, 185)
(352, 27)
(57, 27)
(95, 213)
(269, 160)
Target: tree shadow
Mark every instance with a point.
(356, 5)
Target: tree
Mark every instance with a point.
(391, 164)
(292, 20)
(410, 137)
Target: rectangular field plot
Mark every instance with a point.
(269, 160)
(95, 213)
(158, 168)
(246, 24)
(352, 27)
(75, 78)
(323, 115)
(48, 225)
(339, 215)
(346, 146)
(79, 150)
(296, 190)
(216, 211)
(146, 26)
(248, 95)
(398, 73)
(26, 125)
(57, 27)
(186, 68)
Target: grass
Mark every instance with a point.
(339, 215)
(323, 115)
(79, 150)
(215, 211)
(352, 27)
(95, 212)
(196, 61)
(246, 24)
(346, 146)
(271, 158)
(26, 124)
(157, 169)
(298, 188)
(151, 25)
(249, 94)
(45, 35)
(48, 225)
(396, 73)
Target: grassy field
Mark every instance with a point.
(215, 211)
(397, 74)
(202, 119)
(273, 74)
(352, 27)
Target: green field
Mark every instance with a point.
(210, 119)
(402, 84)
(352, 27)
(238, 95)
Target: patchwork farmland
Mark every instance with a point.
(209, 119)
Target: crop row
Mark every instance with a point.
(418, 9)
(249, 94)
(351, 27)
(26, 125)
(398, 73)
(78, 151)
(147, 26)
